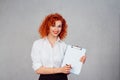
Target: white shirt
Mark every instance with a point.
(43, 54)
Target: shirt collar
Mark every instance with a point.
(58, 39)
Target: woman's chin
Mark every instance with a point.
(55, 35)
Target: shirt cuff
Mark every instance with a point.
(36, 66)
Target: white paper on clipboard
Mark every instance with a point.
(72, 57)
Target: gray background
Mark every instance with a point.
(93, 24)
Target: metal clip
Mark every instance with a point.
(72, 46)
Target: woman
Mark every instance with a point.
(48, 52)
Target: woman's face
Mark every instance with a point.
(56, 29)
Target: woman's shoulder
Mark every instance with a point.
(38, 41)
(63, 43)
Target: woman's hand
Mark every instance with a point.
(83, 59)
(66, 69)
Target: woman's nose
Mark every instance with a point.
(56, 28)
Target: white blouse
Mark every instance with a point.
(43, 54)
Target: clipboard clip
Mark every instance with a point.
(77, 47)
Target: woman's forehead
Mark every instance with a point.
(58, 22)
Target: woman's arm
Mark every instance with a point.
(46, 70)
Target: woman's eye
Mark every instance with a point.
(53, 26)
(59, 26)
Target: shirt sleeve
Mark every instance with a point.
(64, 47)
(35, 56)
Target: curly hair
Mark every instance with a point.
(50, 21)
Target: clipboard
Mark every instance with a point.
(72, 57)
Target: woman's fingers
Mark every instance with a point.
(67, 69)
(83, 59)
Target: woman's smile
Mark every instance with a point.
(55, 32)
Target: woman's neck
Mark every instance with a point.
(52, 39)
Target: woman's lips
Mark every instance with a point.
(55, 32)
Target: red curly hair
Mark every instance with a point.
(50, 21)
